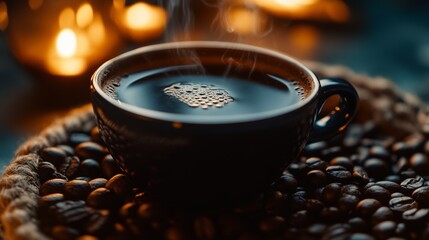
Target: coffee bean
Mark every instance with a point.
(382, 214)
(87, 237)
(379, 152)
(78, 138)
(384, 230)
(317, 229)
(86, 179)
(379, 193)
(77, 189)
(408, 174)
(50, 199)
(55, 185)
(90, 168)
(64, 233)
(298, 201)
(150, 211)
(351, 189)
(54, 155)
(358, 224)
(109, 166)
(402, 204)
(102, 198)
(338, 173)
(331, 193)
(301, 219)
(204, 228)
(72, 167)
(360, 236)
(421, 195)
(316, 148)
(366, 207)
(331, 214)
(316, 178)
(97, 183)
(99, 223)
(73, 213)
(331, 152)
(397, 194)
(67, 149)
(90, 150)
(393, 178)
(376, 167)
(95, 135)
(420, 163)
(347, 202)
(337, 231)
(271, 224)
(389, 186)
(120, 185)
(128, 210)
(298, 169)
(360, 176)
(342, 161)
(46, 171)
(315, 163)
(314, 205)
(416, 216)
(411, 184)
(287, 183)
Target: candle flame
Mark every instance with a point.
(66, 43)
(84, 15)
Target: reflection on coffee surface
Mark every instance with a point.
(184, 90)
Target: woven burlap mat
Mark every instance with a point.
(396, 113)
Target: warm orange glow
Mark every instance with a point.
(67, 18)
(140, 16)
(84, 15)
(4, 19)
(66, 43)
(35, 4)
(140, 21)
(304, 39)
(245, 21)
(325, 10)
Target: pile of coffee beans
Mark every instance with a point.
(363, 184)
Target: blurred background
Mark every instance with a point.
(50, 48)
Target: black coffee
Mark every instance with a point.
(183, 90)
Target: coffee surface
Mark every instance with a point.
(208, 93)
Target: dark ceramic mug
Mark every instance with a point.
(221, 159)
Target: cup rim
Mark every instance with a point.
(202, 119)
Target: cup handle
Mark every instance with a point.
(338, 119)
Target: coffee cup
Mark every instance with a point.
(212, 122)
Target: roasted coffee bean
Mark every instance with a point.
(331, 152)
(74, 213)
(389, 186)
(411, 184)
(366, 207)
(102, 198)
(298, 201)
(128, 210)
(46, 171)
(150, 211)
(67, 149)
(50, 199)
(416, 216)
(421, 195)
(87, 237)
(271, 224)
(379, 193)
(89, 168)
(90, 150)
(109, 166)
(55, 185)
(316, 178)
(204, 228)
(342, 161)
(379, 152)
(120, 185)
(315, 163)
(376, 167)
(408, 174)
(77, 189)
(393, 178)
(384, 230)
(357, 224)
(61, 232)
(360, 176)
(419, 163)
(54, 155)
(382, 214)
(78, 138)
(287, 183)
(338, 173)
(72, 167)
(86, 179)
(97, 183)
(361, 236)
(331, 193)
(314, 205)
(397, 194)
(331, 214)
(317, 229)
(301, 219)
(351, 189)
(347, 202)
(316, 148)
(337, 231)
(99, 223)
(298, 169)
(402, 204)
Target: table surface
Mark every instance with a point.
(388, 38)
